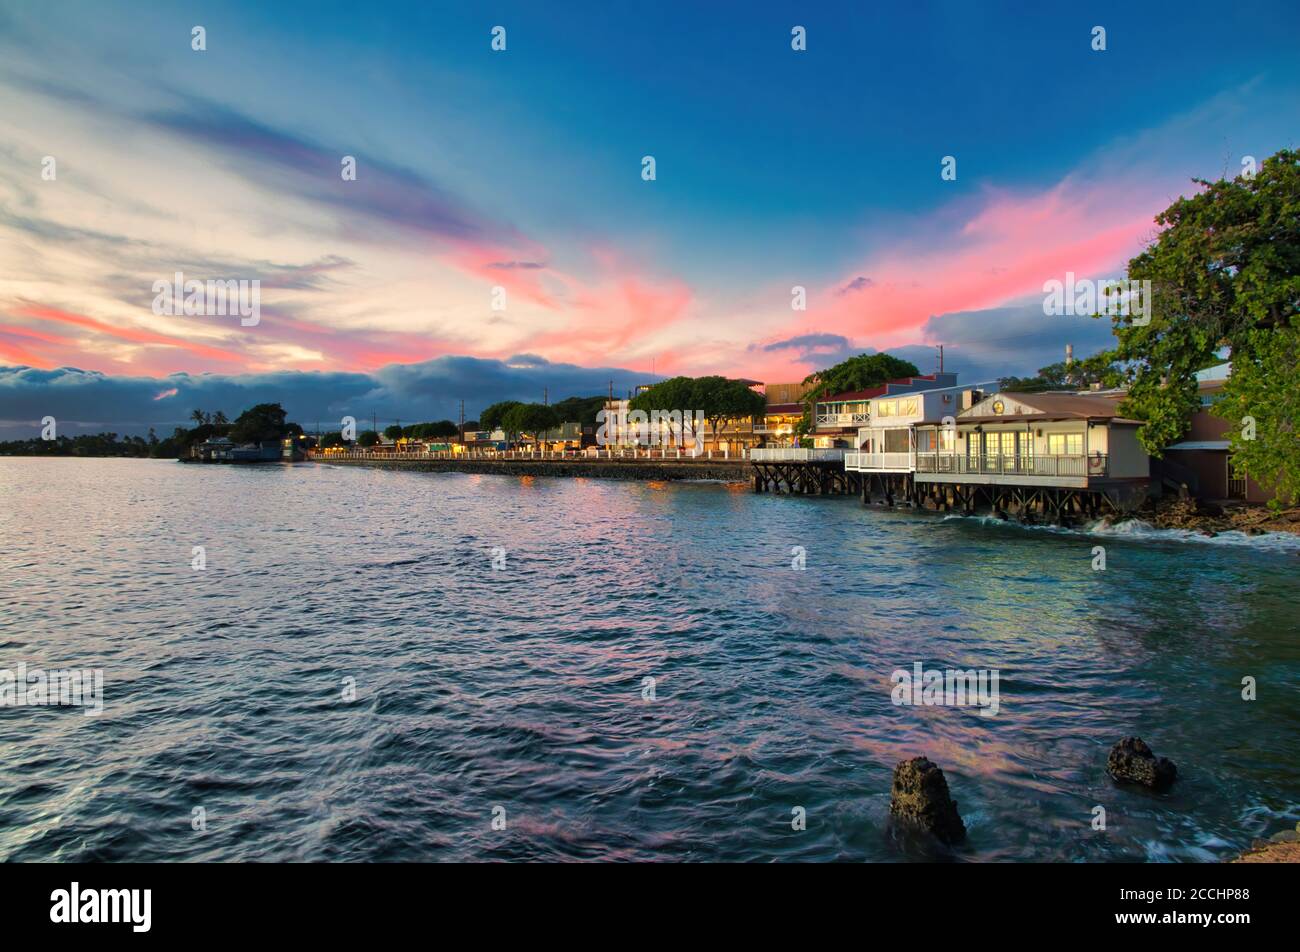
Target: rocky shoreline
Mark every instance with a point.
(1283, 847)
(1210, 519)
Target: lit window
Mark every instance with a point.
(1065, 444)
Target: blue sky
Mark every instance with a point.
(521, 170)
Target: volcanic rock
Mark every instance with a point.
(920, 795)
(1131, 761)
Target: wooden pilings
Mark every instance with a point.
(1024, 503)
(805, 478)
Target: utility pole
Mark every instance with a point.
(940, 347)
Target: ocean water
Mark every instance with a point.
(499, 632)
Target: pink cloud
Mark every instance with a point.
(1004, 250)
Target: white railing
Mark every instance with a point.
(789, 454)
(1010, 465)
(843, 419)
(590, 453)
(878, 462)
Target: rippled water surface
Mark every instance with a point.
(522, 687)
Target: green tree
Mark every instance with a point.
(1224, 271)
(1261, 401)
(492, 417)
(441, 430)
(260, 423)
(394, 432)
(531, 419)
(717, 398)
(367, 438)
(580, 410)
(857, 373)
(331, 439)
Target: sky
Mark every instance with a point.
(500, 241)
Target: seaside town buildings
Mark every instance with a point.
(920, 436)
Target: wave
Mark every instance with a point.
(1140, 530)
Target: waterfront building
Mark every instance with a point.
(838, 417)
(1057, 440)
(782, 413)
(1201, 460)
(889, 443)
(220, 449)
(570, 435)
(216, 449)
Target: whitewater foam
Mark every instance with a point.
(1141, 530)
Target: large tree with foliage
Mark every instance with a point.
(493, 416)
(262, 422)
(581, 410)
(1224, 272)
(857, 373)
(719, 399)
(532, 419)
(438, 430)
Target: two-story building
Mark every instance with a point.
(782, 413)
(838, 417)
(889, 444)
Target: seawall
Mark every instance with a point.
(734, 471)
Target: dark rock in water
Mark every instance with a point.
(1131, 761)
(920, 795)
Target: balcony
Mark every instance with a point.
(787, 454)
(1074, 467)
(843, 419)
(878, 462)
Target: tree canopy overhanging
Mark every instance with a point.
(1224, 273)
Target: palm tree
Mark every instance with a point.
(219, 418)
(198, 416)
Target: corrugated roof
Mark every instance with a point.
(1068, 405)
(1045, 418)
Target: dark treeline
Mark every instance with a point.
(94, 444)
(264, 422)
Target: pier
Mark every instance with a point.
(1048, 491)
